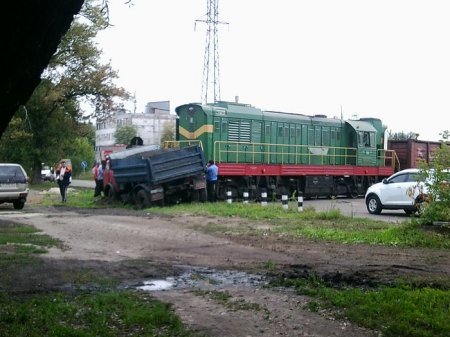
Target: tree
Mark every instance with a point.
(124, 134)
(46, 129)
(81, 150)
(445, 135)
(402, 135)
(168, 132)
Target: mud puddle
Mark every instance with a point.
(202, 278)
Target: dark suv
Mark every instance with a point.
(13, 185)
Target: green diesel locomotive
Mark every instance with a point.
(286, 153)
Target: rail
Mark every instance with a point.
(263, 153)
(256, 153)
(390, 158)
(175, 144)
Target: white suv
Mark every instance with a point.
(13, 185)
(403, 190)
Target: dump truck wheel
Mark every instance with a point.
(142, 199)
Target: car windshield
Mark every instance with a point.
(11, 174)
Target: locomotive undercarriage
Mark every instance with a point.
(310, 186)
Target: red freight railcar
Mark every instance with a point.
(410, 152)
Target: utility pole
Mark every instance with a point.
(211, 71)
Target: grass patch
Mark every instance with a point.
(124, 313)
(76, 197)
(329, 225)
(20, 243)
(402, 310)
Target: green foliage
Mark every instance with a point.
(119, 313)
(76, 197)
(16, 143)
(399, 310)
(168, 132)
(50, 124)
(438, 205)
(81, 150)
(445, 135)
(125, 133)
(329, 225)
(18, 243)
(402, 135)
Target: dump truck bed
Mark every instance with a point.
(159, 166)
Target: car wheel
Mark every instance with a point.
(18, 204)
(373, 204)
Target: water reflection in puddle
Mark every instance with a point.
(203, 278)
(156, 285)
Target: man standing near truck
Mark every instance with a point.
(211, 181)
(99, 182)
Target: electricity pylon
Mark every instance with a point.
(211, 73)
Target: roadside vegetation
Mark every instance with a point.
(413, 308)
(437, 207)
(329, 225)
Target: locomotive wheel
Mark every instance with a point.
(373, 204)
(142, 199)
(354, 194)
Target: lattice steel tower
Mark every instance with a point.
(211, 78)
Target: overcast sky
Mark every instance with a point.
(388, 59)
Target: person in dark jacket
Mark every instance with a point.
(63, 177)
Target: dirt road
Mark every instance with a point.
(136, 247)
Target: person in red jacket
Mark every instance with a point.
(63, 177)
(99, 182)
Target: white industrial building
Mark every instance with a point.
(150, 125)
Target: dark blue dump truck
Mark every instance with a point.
(144, 176)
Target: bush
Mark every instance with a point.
(438, 205)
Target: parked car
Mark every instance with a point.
(13, 185)
(47, 173)
(405, 190)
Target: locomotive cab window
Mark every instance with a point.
(366, 139)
